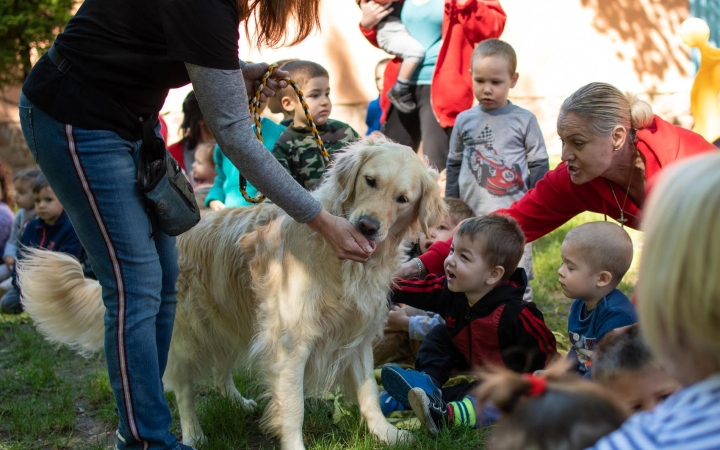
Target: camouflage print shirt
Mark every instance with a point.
(298, 152)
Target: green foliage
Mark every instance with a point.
(28, 27)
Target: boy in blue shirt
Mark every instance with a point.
(50, 230)
(595, 257)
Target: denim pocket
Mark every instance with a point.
(28, 129)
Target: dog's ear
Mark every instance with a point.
(345, 170)
(432, 207)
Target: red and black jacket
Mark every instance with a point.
(499, 329)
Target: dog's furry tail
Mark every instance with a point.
(66, 307)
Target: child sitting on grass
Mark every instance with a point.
(678, 298)
(406, 327)
(595, 257)
(51, 230)
(625, 365)
(296, 148)
(486, 321)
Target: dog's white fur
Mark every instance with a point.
(255, 283)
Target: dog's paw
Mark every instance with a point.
(195, 440)
(248, 404)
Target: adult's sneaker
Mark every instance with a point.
(398, 382)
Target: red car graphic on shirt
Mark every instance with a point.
(491, 172)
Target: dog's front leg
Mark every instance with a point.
(286, 410)
(360, 379)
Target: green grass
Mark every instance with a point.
(52, 398)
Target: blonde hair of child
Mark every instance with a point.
(678, 290)
(605, 107)
(604, 246)
(458, 209)
(205, 152)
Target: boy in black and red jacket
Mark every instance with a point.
(486, 321)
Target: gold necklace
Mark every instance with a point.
(622, 218)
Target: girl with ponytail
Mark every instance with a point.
(555, 412)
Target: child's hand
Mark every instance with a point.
(397, 320)
(9, 261)
(216, 205)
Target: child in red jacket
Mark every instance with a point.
(486, 321)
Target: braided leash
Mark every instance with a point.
(255, 113)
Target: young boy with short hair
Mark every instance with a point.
(486, 320)
(406, 327)
(51, 230)
(627, 368)
(296, 148)
(595, 257)
(497, 151)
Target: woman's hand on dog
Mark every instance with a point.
(346, 241)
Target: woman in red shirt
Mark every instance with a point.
(612, 148)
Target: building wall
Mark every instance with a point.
(561, 45)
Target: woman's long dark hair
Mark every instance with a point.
(271, 19)
(191, 126)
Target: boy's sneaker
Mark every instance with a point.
(402, 98)
(388, 404)
(430, 409)
(398, 382)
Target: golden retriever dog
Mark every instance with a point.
(256, 286)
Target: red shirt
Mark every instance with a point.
(463, 27)
(556, 199)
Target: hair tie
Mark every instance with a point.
(538, 385)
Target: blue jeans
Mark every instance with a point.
(93, 173)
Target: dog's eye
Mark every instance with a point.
(402, 199)
(370, 181)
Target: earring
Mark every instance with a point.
(617, 149)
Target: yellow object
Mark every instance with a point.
(704, 102)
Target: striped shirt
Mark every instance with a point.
(687, 420)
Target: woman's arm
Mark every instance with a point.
(223, 100)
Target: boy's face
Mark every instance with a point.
(380, 76)
(492, 81)
(466, 269)
(642, 390)
(24, 196)
(442, 232)
(47, 206)
(577, 278)
(202, 169)
(317, 96)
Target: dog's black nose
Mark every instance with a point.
(368, 226)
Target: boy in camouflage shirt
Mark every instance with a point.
(296, 149)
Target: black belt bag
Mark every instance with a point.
(169, 197)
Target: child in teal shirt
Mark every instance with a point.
(225, 192)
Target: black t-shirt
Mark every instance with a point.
(127, 54)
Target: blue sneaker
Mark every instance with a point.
(398, 382)
(389, 404)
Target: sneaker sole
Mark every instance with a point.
(420, 405)
(396, 386)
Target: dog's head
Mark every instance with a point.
(384, 189)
